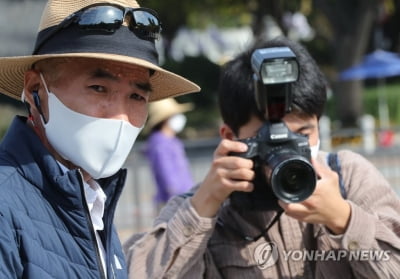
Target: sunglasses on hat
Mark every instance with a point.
(143, 22)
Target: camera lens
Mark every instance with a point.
(290, 178)
(293, 179)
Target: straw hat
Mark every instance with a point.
(164, 109)
(121, 46)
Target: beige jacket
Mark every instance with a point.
(183, 245)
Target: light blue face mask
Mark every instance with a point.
(99, 146)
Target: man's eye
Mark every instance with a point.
(137, 97)
(304, 133)
(98, 88)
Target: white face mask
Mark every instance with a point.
(177, 122)
(314, 150)
(99, 146)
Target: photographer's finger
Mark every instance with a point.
(326, 174)
(233, 162)
(320, 169)
(293, 209)
(241, 174)
(242, 186)
(228, 146)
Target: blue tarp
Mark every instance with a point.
(378, 64)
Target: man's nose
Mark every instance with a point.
(117, 108)
(121, 116)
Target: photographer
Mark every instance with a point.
(234, 226)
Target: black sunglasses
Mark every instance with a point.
(108, 18)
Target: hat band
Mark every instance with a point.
(75, 40)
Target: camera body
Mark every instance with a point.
(283, 155)
(286, 158)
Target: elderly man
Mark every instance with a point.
(87, 87)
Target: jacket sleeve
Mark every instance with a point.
(10, 262)
(174, 248)
(372, 238)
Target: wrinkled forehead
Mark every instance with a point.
(89, 64)
(118, 69)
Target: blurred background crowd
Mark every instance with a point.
(355, 42)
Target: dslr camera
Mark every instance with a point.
(285, 156)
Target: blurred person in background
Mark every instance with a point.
(166, 152)
(86, 87)
(233, 225)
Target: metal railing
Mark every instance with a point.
(136, 210)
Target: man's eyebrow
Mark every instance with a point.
(100, 73)
(305, 127)
(145, 86)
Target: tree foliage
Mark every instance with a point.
(345, 31)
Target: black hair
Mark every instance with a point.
(158, 126)
(236, 87)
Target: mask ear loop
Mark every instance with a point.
(36, 98)
(44, 83)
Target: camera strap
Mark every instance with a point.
(263, 232)
(334, 164)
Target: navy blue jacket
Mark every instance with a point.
(45, 228)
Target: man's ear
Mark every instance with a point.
(226, 132)
(31, 83)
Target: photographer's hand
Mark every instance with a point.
(227, 174)
(325, 206)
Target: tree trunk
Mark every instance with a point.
(352, 22)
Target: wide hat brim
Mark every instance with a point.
(164, 83)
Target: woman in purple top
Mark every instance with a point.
(165, 151)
